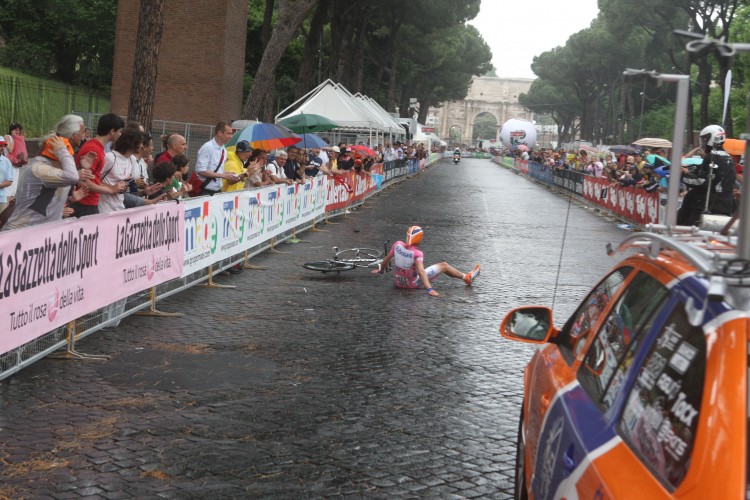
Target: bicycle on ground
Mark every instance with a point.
(348, 259)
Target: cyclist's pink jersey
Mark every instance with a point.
(404, 258)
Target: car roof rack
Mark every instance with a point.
(708, 251)
(713, 255)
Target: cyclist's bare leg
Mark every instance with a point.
(449, 270)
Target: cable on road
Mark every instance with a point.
(562, 249)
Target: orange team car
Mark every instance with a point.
(643, 392)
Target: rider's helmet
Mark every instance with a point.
(713, 135)
(414, 235)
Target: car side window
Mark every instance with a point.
(603, 369)
(660, 418)
(573, 335)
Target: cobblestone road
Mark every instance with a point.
(299, 385)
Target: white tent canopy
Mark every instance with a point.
(389, 124)
(435, 138)
(429, 138)
(335, 102)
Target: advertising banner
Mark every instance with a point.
(540, 171)
(521, 165)
(570, 180)
(352, 187)
(633, 204)
(377, 176)
(394, 169)
(339, 191)
(229, 223)
(366, 183)
(412, 166)
(54, 273)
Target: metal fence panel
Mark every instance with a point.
(38, 105)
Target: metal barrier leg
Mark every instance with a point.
(273, 247)
(329, 222)
(294, 238)
(210, 283)
(245, 265)
(70, 351)
(315, 229)
(153, 311)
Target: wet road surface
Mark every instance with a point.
(302, 385)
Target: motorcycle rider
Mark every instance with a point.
(716, 171)
(456, 155)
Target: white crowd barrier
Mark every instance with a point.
(62, 281)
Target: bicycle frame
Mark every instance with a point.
(348, 259)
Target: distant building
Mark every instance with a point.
(488, 94)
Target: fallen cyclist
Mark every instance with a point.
(410, 270)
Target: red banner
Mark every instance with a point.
(631, 203)
(522, 165)
(352, 186)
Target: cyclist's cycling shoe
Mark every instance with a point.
(471, 276)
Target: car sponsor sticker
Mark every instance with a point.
(652, 370)
(681, 359)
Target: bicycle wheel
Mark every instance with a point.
(327, 266)
(360, 256)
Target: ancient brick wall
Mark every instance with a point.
(201, 60)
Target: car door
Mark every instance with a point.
(646, 448)
(659, 419)
(581, 420)
(551, 374)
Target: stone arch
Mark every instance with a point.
(476, 107)
(498, 96)
(487, 111)
(490, 110)
(460, 134)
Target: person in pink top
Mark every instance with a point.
(408, 260)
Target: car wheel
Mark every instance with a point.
(519, 490)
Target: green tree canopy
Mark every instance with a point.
(485, 127)
(72, 42)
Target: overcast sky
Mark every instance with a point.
(519, 31)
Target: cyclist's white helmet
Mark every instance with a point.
(713, 135)
(414, 235)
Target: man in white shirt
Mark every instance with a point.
(323, 155)
(399, 151)
(389, 154)
(276, 168)
(211, 158)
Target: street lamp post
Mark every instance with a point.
(678, 134)
(640, 117)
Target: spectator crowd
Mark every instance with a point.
(76, 175)
(640, 169)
